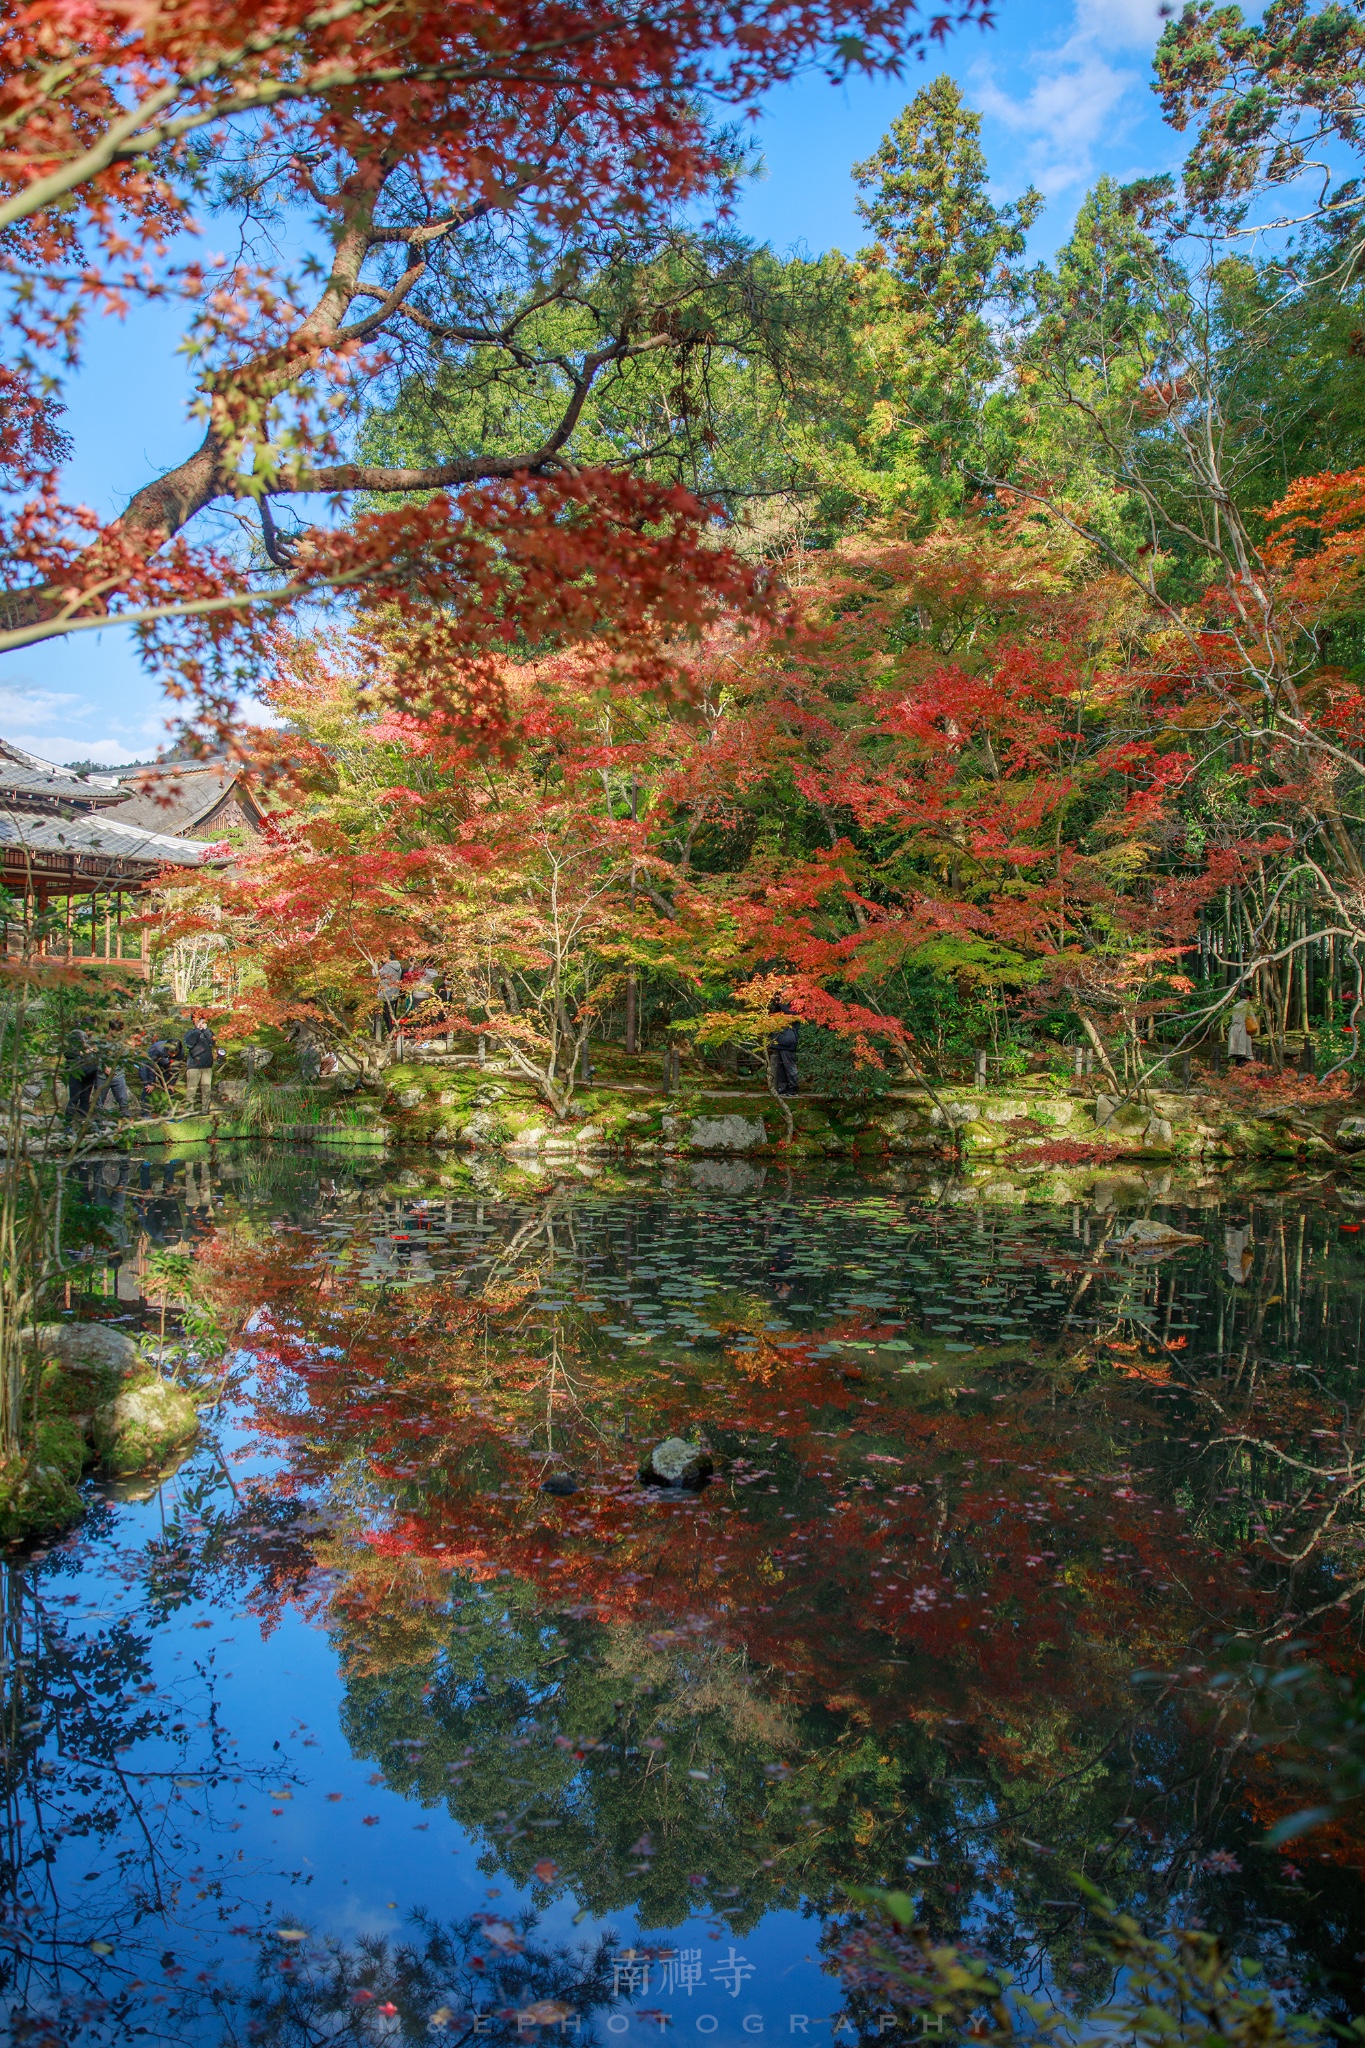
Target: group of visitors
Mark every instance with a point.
(405, 993)
(95, 1067)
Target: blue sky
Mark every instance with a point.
(1064, 86)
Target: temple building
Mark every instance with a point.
(88, 843)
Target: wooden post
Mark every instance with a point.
(108, 929)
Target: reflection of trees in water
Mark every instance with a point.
(931, 1601)
(677, 1779)
(117, 1792)
(102, 1865)
(903, 1623)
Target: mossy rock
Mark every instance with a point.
(39, 1493)
(978, 1136)
(145, 1426)
(1256, 1140)
(90, 1350)
(869, 1141)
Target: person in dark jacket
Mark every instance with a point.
(80, 1071)
(782, 1046)
(113, 1051)
(200, 1053)
(154, 1073)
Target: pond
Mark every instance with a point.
(404, 1710)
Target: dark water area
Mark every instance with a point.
(352, 1730)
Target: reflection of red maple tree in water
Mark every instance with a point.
(853, 1521)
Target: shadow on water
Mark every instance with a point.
(403, 1710)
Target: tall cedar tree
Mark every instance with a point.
(945, 256)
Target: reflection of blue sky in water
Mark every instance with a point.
(299, 1831)
(340, 1855)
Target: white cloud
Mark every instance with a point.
(60, 725)
(74, 746)
(23, 709)
(1076, 100)
(1121, 24)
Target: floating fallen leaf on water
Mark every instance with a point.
(442, 2016)
(291, 1933)
(500, 1933)
(546, 1870)
(369, 1820)
(101, 1948)
(546, 2012)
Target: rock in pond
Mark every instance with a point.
(726, 1133)
(562, 1483)
(1147, 1234)
(144, 1426)
(675, 1463)
(92, 1348)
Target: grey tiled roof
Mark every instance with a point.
(54, 785)
(179, 804)
(103, 838)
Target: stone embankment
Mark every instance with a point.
(1039, 1139)
(1034, 1131)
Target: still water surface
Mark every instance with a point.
(354, 1730)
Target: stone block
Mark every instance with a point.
(727, 1133)
(89, 1348)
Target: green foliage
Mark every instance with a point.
(828, 1067)
(1181, 1987)
(945, 259)
(714, 362)
(178, 1276)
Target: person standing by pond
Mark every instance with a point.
(1243, 1027)
(113, 1050)
(200, 1053)
(783, 1046)
(80, 1071)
